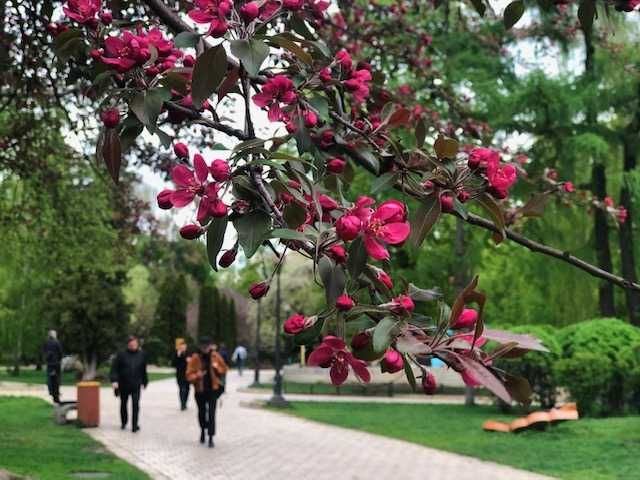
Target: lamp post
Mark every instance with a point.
(256, 370)
(277, 400)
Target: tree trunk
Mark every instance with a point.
(601, 237)
(90, 366)
(625, 234)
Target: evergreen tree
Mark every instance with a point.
(171, 312)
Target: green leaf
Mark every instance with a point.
(408, 371)
(369, 158)
(253, 228)
(519, 388)
(289, 44)
(300, 27)
(535, 205)
(287, 234)
(425, 218)
(495, 212)
(173, 80)
(333, 279)
(384, 182)
(513, 13)
(586, 14)
(385, 332)
(252, 53)
(421, 294)
(208, 72)
(321, 105)
(294, 214)
(446, 147)
(186, 40)
(112, 153)
(215, 238)
(357, 258)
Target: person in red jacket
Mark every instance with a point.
(206, 370)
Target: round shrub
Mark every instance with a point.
(537, 367)
(598, 364)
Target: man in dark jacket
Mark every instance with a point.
(53, 357)
(128, 373)
(180, 363)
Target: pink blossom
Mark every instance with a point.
(479, 157)
(325, 74)
(82, 11)
(220, 170)
(467, 319)
(276, 91)
(358, 85)
(568, 187)
(446, 203)
(191, 231)
(181, 150)
(387, 225)
(469, 380)
(259, 290)
(296, 323)
(344, 303)
(344, 60)
(123, 52)
(327, 203)
(164, 199)
(189, 182)
(106, 17)
(292, 4)
(310, 119)
(348, 227)
(249, 11)
(269, 9)
(608, 201)
(501, 176)
(402, 305)
(622, 214)
(338, 253)
(385, 279)
(392, 361)
(332, 353)
(429, 383)
(110, 117)
(213, 12)
(336, 165)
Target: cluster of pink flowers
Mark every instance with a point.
(83, 11)
(212, 12)
(194, 183)
(500, 176)
(129, 50)
(386, 225)
(277, 92)
(333, 354)
(620, 212)
(355, 80)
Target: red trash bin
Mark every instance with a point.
(89, 404)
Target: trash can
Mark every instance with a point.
(89, 404)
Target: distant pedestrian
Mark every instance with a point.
(206, 370)
(224, 353)
(128, 374)
(53, 357)
(180, 363)
(239, 357)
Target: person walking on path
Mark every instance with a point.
(206, 370)
(239, 357)
(128, 374)
(180, 364)
(53, 357)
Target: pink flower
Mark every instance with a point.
(469, 380)
(622, 214)
(310, 119)
(296, 324)
(344, 60)
(292, 4)
(124, 52)
(327, 203)
(338, 253)
(268, 9)
(344, 303)
(106, 17)
(189, 183)
(228, 258)
(318, 6)
(82, 11)
(213, 12)
(325, 74)
(259, 290)
(181, 150)
(336, 165)
(568, 187)
(401, 305)
(385, 279)
(220, 170)
(500, 176)
(358, 85)
(276, 91)
(392, 361)
(387, 225)
(332, 353)
(467, 319)
(348, 227)
(164, 199)
(479, 157)
(191, 231)
(608, 201)
(249, 11)
(110, 117)
(429, 383)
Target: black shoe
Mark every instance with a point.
(135, 429)
(123, 426)
(202, 436)
(211, 442)
(183, 408)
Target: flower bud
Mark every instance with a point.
(220, 170)
(259, 290)
(336, 165)
(292, 4)
(344, 303)
(568, 187)
(348, 227)
(467, 319)
(106, 17)
(181, 150)
(218, 209)
(249, 11)
(338, 253)
(95, 53)
(360, 341)
(429, 383)
(310, 119)
(392, 361)
(464, 196)
(228, 257)
(402, 305)
(191, 231)
(469, 380)
(164, 199)
(384, 278)
(446, 203)
(327, 203)
(110, 117)
(295, 324)
(189, 61)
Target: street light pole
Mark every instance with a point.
(277, 400)
(256, 371)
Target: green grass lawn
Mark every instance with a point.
(31, 444)
(591, 449)
(37, 377)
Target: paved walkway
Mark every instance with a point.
(255, 444)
